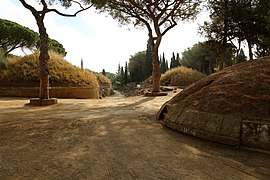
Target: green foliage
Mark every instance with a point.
(112, 77)
(204, 57)
(163, 64)
(15, 36)
(121, 76)
(175, 61)
(240, 20)
(148, 68)
(103, 72)
(54, 46)
(126, 78)
(158, 17)
(57, 47)
(135, 66)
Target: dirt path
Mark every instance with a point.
(112, 138)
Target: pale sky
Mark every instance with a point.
(98, 39)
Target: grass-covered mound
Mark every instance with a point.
(24, 72)
(105, 85)
(180, 76)
(243, 90)
(103, 80)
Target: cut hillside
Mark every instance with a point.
(24, 72)
(181, 76)
(242, 90)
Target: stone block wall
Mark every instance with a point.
(55, 92)
(226, 129)
(255, 134)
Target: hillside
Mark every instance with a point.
(243, 89)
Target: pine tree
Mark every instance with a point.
(178, 59)
(82, 64)
(122, 75)
(166, 66)
(104, 72)
(173, 62)
(148, 61)
(126, 74)
(163, 63)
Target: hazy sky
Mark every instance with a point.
(97, 38)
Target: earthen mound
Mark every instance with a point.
(230, 107)
(24, 72)
(180, 76)
(242, 90)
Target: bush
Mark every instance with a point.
(181, 76)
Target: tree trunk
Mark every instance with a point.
(156, 71)
(224, 40)
(250, 50)
(221, 59)
(43, 62)
(238, 52)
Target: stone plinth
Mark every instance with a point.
(43, 102)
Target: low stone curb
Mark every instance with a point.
(55, 92)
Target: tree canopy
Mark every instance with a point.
(204, 57)
(15, 36)
(235, 21)
(157, 16)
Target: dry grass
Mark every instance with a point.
(103, 80)
(181, 76)
(242, 90)
(24, 71)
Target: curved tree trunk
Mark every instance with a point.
(155, 63)
(43, 62)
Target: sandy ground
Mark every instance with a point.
(112, 138)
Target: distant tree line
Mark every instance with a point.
(139, 67)
(204, 57)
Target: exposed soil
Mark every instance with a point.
(243, 90)
(112, 138)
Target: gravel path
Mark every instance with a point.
(111, 138)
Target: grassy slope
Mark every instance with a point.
(24, 72)
(243, 89)
(181, 76)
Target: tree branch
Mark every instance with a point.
(69, 15)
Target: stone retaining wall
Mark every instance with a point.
(255, 134)
(55, 92)
(231, 130)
